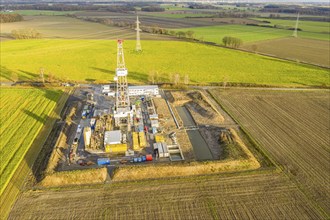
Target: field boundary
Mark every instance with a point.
(23, 170)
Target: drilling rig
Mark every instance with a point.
(122, 113)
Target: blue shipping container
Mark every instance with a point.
(139, 159)
(144, 158)
(135, 160)
(103, 161)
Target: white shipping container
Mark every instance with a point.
(160, 150)
(165, 149)
(153, 117)
(154, 123)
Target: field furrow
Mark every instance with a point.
(29, 109)
(292, 126)
(257, 196)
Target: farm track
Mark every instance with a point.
(259, 196)
(293, 127)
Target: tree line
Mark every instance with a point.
(69, 7)
(6, 18)
(154, 77)
(153, 9)
(295, 9)
(232, 42)
(26, 34)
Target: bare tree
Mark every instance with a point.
(176, 79)
(151, 77)
(170, 77)
(157, 77)
(186, 79)
(190, 34)
(254, 48)
(225, 81)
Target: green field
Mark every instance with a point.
(41, 12)
(308, 26)
(247, 33)
(22, 114)
(179, 15)
(172, 7)
(95, 60)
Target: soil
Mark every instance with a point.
(209, 121)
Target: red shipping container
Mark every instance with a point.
(149, 157)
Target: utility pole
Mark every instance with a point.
(295, 32)
(138, 30)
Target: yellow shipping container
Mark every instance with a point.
(116, 148)
(136, 145)
(159, 138)
(142, 139)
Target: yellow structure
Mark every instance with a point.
(135, 137)
(116, 148)
(142, 139)
(159, 138)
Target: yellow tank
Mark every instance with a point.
(159, 138)
(135, 138)
(142, 139)
(116, 148)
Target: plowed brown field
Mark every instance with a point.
(293, 127)
(257, 196)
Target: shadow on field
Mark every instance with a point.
(38, 156)
(40, 118)
(90, 80)
(6, 73)
(138, 76)
(32, 75)
(103, 70)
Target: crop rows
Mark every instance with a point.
(258, 196)
(293, 126)
(22, 114)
